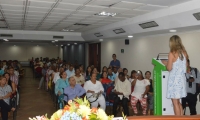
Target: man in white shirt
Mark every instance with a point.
(94, 90)
(122, 90)
(70, 72)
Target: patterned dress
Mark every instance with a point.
(176, 87)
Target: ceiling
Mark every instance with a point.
(56, 15)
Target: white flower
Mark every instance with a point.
(84, 111)
(101, 114)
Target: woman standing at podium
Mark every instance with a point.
(176, 65)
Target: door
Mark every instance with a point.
(95, 55)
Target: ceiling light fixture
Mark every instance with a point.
(65, 30)
(14, 45)
(61, 45)
(56, 45)
(75, 43)
(56, 40)
(172, 31)
(101, 40)
(71, 30)
(6, 40)
(53, 41)
(103, 13)
(130, 36)
(37, 45)
(68, 44)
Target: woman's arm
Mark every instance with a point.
(13, 87)
(170, 61)
(134, 82)
(146, 91)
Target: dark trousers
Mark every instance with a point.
(191, 99)
(124, 103)
(5, 108)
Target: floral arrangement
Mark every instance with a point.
(78, 109)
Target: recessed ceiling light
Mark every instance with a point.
(71, 30)
(14, 45)
(61, 45)
(130, 36)
(6, 40)
(56, 45)
(65, 30)
(101, 40)
(68, 44)
(75, 43)
(172, 31)
(53, 41)
(56, 40)
(103, 13)
(37, 45)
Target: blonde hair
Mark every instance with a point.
(176, 46)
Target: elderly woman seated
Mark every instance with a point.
(5, 93)
(73, 90)
(60, 85)
(94, 90)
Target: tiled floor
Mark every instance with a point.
(33, 101)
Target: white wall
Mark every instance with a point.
(25, 52)
(139, 53)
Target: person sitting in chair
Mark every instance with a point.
(5, 93)
(122, 90)
(73, 90)
(94, 90)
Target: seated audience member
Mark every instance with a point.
(9, 82)
(125, 71)
(94, 70)
(14, 78)
(115, 72)
(48, 75)
(95, 88)
(105, 81)
(88, 73)
(150, 93)
(44, 70)
(141, 88)
(1, 71)
(70, 71)
(132, 76)
(5, 93)
(82, 71)
(104, 69)
(78, 77)
(73, 90)
(122, 90)
(115, 62)
(111, 76)
(56, 75)
(60, 85)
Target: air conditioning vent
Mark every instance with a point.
(58, 37)
(98, 34)
(118, 31)
(197, 15)
(82, 24)
(6, 35)
(149, 24)
(3, 27)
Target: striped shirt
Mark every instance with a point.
(14, 79)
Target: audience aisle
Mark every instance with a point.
(33, 101)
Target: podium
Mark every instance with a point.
(162, 105)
